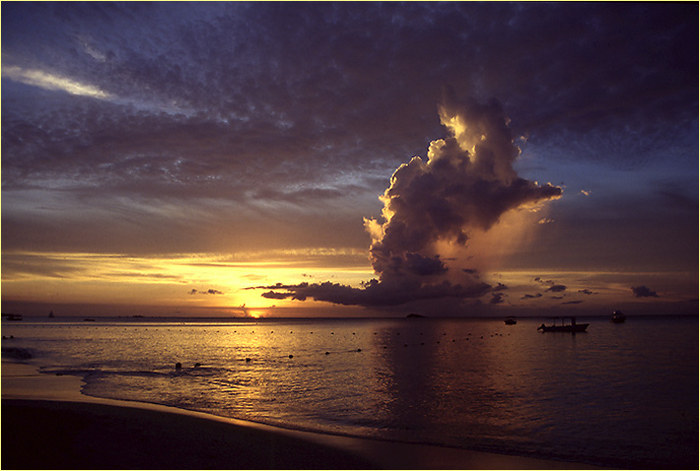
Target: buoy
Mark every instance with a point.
(247, 360)
(197, 365)
(359, 349)
(178, 365)
(328, 353)
(291, 356)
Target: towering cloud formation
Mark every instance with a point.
(467, 183)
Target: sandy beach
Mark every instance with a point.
(48, 424)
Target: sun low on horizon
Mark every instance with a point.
(291, 160)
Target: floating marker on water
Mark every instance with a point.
(291, 356)
(247, 360)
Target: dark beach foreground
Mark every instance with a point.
(70, 435)
(48, 424)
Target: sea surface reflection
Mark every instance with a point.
(619, 395)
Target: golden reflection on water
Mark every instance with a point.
(452, 382)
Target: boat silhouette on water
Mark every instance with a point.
(572, 327)
(618, 317)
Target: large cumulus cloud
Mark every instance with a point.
(466, 183)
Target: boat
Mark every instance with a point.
(573, 327)
(618, 317)
(510, 321)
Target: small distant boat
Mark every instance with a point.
(510, 321)
(573, 327)
(618, 317)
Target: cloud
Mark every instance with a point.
(466, 184)
(573, 302)
(374, 293)
(643, 292)
(49, 81)
(209, 291)
(556, 288)
(275, 295)
(586, 291)
(531, 296)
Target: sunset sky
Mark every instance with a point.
(228, 158)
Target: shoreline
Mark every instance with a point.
(128, 434)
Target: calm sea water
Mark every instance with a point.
(620, 395)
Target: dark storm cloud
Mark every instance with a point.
(466, 183)
(531, 296)
(556, 288)
(643, 292)
(375, 293)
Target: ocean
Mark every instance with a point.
(619, 395)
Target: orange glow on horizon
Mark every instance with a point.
(193, 281)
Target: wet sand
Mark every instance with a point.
(48, 424)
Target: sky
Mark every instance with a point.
(349, 159)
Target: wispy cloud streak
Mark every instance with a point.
(49, 81)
